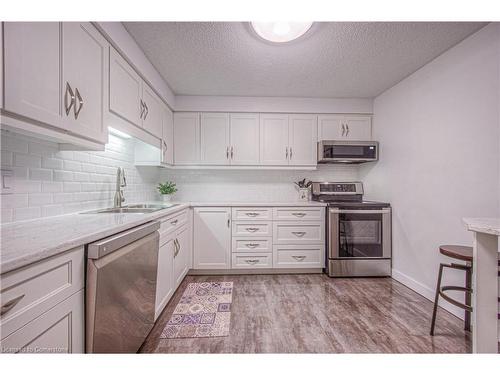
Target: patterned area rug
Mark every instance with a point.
(204, 310)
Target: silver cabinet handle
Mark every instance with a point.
(177, 247)
(165, 148)
(7, 306)
(147, 110)
(232, 152)
(347, 130)
(71, 95)
(291, 153)
(286, 153)
(252, 245)
(343, 129)
(299, 234)
(142, 109)
(298, 214)
(174, 222)
(228, 222)
(252, 230)
(252, 261)
(252, 214)
(227, 152)
(78, 101)
(299, 258)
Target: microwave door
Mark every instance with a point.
(347, 152)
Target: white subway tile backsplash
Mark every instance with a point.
(63, 176)
(63, 198)
(27, 213)
(52, 163)
(39, 199)
(70, 165)
(71, 187)
(52, 187)
(14, 200)
(52, 210)
(40, 174)
(23, 160)
(6, 158)
(14, 144)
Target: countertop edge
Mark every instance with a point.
(483, 225)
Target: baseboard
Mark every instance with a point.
(261, 271)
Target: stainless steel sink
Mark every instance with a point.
(132, 209)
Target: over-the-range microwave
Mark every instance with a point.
(348, 152)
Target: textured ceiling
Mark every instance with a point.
(334, 59)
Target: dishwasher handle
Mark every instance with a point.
(107, 245)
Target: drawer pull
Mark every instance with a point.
(299, 258)
(298, 214)
(252, 245)
(252, 230)
(299, 234)
(174, 222)
(252, 214)
(252, 261)
(6, 307)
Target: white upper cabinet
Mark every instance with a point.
(244, 143)
(85, 62)
(153, 112)
(167, 146)
(303, 140)
(32, 64)
(274, 139)
(344, 128)
(57, 74)
(186, 138)
(215, 148)
(212, 225)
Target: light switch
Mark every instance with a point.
(7, 177)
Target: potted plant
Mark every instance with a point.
(166, 190)
(303, 189)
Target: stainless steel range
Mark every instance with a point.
(358, 232)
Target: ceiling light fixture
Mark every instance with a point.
(280, 32)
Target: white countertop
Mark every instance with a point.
(26, 242)
(488, 225)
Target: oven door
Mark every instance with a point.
(359, 234)
(353, 152)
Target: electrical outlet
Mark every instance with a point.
(7, 176)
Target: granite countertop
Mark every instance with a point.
(26, 242)
(488, 225)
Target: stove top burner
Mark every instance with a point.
(347, 195)
(358, 205)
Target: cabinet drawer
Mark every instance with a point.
(252, 245)
(246, 260)
(298, 256)
(297, 232)
(252, 229)
(59, 330)
(299, 213)
(172, 222)
(252, 213)
(39, 287)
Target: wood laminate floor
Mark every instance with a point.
(317, 314)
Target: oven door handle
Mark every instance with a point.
(339, 211)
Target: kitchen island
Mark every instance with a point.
(485, 283)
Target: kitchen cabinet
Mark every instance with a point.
(57, 74)
(153, 112)
(165, 276)
(214, 136)
(186, 138)
(244, 141)
(274, 139)
(212, 238)
(125, 89)
(302, 139)
(344, 128)
(167, 145)
(182, 254)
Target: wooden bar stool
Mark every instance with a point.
(463, 253)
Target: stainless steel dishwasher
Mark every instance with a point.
(121, 289)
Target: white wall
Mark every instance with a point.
(439, 135)
(247, 185)
(49, 182)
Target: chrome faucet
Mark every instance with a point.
(120, 183)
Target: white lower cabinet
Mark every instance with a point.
(299, 256)
(252, 260)
(59, 330)
(212, 238)
(165, 276)
(182, 254)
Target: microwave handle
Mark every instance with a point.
(340, 211)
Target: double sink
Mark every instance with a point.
(132, 209)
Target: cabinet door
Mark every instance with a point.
(168, 137)
(274, 139)
(244, 139)
(303, 140)
(85, 68)
(125, 89)
(215, 138)
(32, 72)
(153, 112)
(186, 138)
(182, 259)
(59, 330)
(165, 277)
(330, 127)
(358, 128)
(212, 238)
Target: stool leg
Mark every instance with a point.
(436, 299)
(468, 284)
